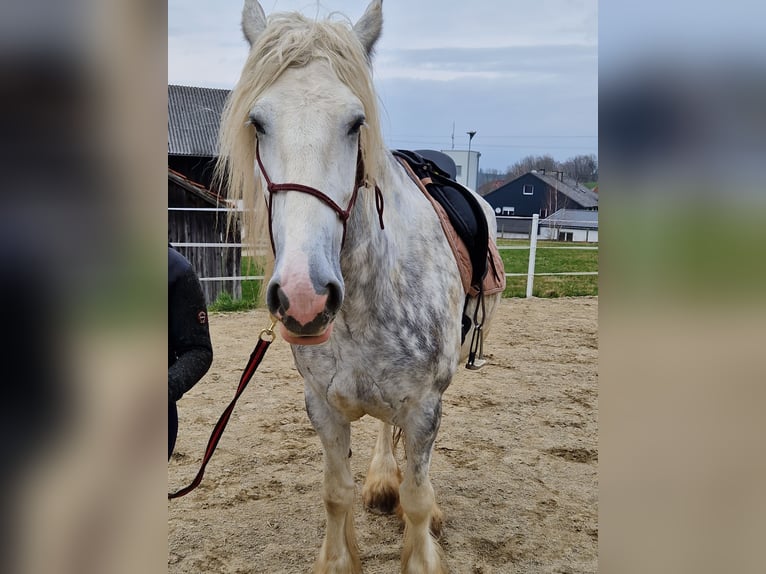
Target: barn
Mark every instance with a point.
(193, 117)
(542, 192)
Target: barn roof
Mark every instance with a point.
(577, 218)
(570, 188)
(197, 189)
(194, 115)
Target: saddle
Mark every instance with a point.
(465, 226)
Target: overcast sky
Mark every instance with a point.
(523, 74)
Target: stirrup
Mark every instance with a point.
(476, 365)
(476, 358)
(476, 351)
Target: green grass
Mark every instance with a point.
(551, 261)
(251, 290)
(225, 303)
(552, 287)
(515, 261)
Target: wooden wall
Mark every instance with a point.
(205, 227)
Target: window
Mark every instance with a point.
(528, 189)
(566, 236)
(509, 210)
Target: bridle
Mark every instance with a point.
(343, 214)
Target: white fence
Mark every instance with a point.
(533, 233)
(530, 274)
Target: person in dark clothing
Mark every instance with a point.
(190, 352)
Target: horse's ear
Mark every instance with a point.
(253, 20)
(369, 26)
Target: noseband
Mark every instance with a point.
(343, 214)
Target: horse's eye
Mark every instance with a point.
(356, 126)
(253, 121)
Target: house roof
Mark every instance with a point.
(580, 194)
(570, 188)
(576, 218)
(194, 115)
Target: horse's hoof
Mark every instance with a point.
(437, 521)
(381, 500)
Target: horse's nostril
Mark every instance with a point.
(277, 299)
(334, 297)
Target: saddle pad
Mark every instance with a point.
(494, 280)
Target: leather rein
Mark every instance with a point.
(343, 214)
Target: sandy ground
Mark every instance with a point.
(514, 466)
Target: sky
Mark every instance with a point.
(522, 74)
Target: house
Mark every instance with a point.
(570, 225)
(541, 192)
(467, 166)
(538, 192)
(193, 118)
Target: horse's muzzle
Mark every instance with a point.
(306, 314)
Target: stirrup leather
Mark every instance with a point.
(476, 358)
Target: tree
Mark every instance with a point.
(529, 163)
(581, 168)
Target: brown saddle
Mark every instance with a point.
(490, 279)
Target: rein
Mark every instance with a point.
(265, 339)
(343, 214)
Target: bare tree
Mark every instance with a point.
(581, 168)
(530, 162)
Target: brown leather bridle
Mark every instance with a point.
(343, 214)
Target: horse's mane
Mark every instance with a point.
(290, 40)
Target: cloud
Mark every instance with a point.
(513, 70)
(192, 61)
(530, 64)
(489, 23)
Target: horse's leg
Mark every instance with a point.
(339, 553)
(381, 487)
(421, 553)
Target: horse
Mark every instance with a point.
(364, 284)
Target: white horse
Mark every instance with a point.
(367, 290)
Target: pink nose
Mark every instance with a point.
(301, 305)
(301, 309)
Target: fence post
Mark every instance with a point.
(532, 253)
